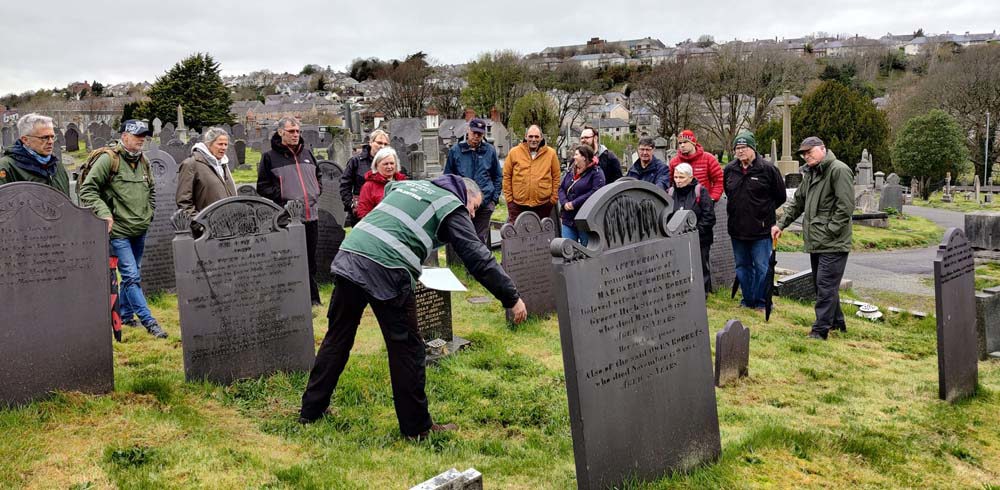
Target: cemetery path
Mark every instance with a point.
(902, 271)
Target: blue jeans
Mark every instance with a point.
(571, 233)
(131, 301)
(752, 257)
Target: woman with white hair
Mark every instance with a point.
(383, 171)
(688, 194)
(204, 177)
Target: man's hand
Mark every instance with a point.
(354, 203)
(568, 206)
(520, 311)
(775, 233)
(111, 222)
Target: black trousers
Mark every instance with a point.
(312, 237)
(828, 270)
(482, 222)
(706, 269)
(398, 320)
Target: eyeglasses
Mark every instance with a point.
(50, 137)
(741, 148)
(586, 137)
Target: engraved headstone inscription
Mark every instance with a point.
(158, 257)
(331, 219)
(955, 302)
(48, 246)
(721, 261)
(433, 313)
(525, 255)
(635, 342)
(732, 353)
(243, 290)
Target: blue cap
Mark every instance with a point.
(477, 125)
(136, 127)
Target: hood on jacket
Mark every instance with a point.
(25, 160)
(203, 150)
(455, 185)
(376, 177)
(278, 146)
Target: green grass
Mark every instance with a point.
(860, 410)
(988, 275)
(904, 231)
(959, 203)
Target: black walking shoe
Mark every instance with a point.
(155, 330)
(816, 335)
(434, 428)
(131, 323)
(842, 328)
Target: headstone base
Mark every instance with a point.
(438, 352)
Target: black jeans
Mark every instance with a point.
(706, 269)
(482, 222)
(312, 237)
(828, 270)
(398, 320)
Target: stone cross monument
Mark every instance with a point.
(787, 164)
(180, 119)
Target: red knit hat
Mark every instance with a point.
(688, 135)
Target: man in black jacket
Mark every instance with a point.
(354, 173)
(287, 172)
(755, 189)
(606, 159)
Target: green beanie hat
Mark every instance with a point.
(745, 138)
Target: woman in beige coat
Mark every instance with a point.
(204, 177)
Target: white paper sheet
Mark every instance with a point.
(441, 279)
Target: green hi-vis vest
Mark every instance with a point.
(402, 229)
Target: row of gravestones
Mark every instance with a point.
(643, 356)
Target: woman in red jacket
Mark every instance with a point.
(383, 171)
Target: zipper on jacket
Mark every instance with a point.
(302, 182)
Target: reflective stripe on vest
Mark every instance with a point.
(391, 241)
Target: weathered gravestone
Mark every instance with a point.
(434, 322)
(233, 161)
(721, 262)
(988, 322)
(453, 479)
(792, 181)
(157, 126)
(982, 229)
(526, 257)
(247, 190)
(732, 353)
(240, 147)
(167, 134)
(799, 286)
(331, 219)
(176, 149)
(635, 342)
(98, 142)
(6, 137)
(311, 137)
(72, 139)
(892, 195)
(239, 131)
(51, 249)
(158, 257)
(955, 303)
(243, 290)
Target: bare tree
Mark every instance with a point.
(496, 80)
(448, 102)
(722, 83)
(570, 87)
(666, 92)
(769, 72)
(404, 91)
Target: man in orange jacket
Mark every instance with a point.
(531, 177)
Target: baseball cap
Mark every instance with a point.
(477, 125)
(136, 127)
(809, 143)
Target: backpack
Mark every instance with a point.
(697, 193)
(115, 163)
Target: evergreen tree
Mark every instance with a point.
(194, 84)
(846, 121)
(928, 146)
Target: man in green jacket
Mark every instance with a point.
(31, 158)
(125, 198)
(825, 199)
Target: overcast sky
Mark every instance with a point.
(52, 43)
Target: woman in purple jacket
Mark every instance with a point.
(576, 187)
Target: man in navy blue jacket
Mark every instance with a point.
(648, 168)
(477, 159)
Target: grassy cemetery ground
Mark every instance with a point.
(959, 203)
(860, 410)
(903, 232)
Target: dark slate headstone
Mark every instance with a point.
(721, 261)
(982, 228)
(311, 137)
(732, 353)
(331, 219)
(243, 291)
(167, 134)
(793, 180)
(892, 197)
(988, 322)
(176, 149)
(241, 153)
(98, 142)
(158, 257)
(526, 257)
(234, 162)
(72, 139)
(6, 137)
(56, 328)
(955, 302)
(239, 131)
(635, 341)
(247, 190)
(799, 286)
(433, 313)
